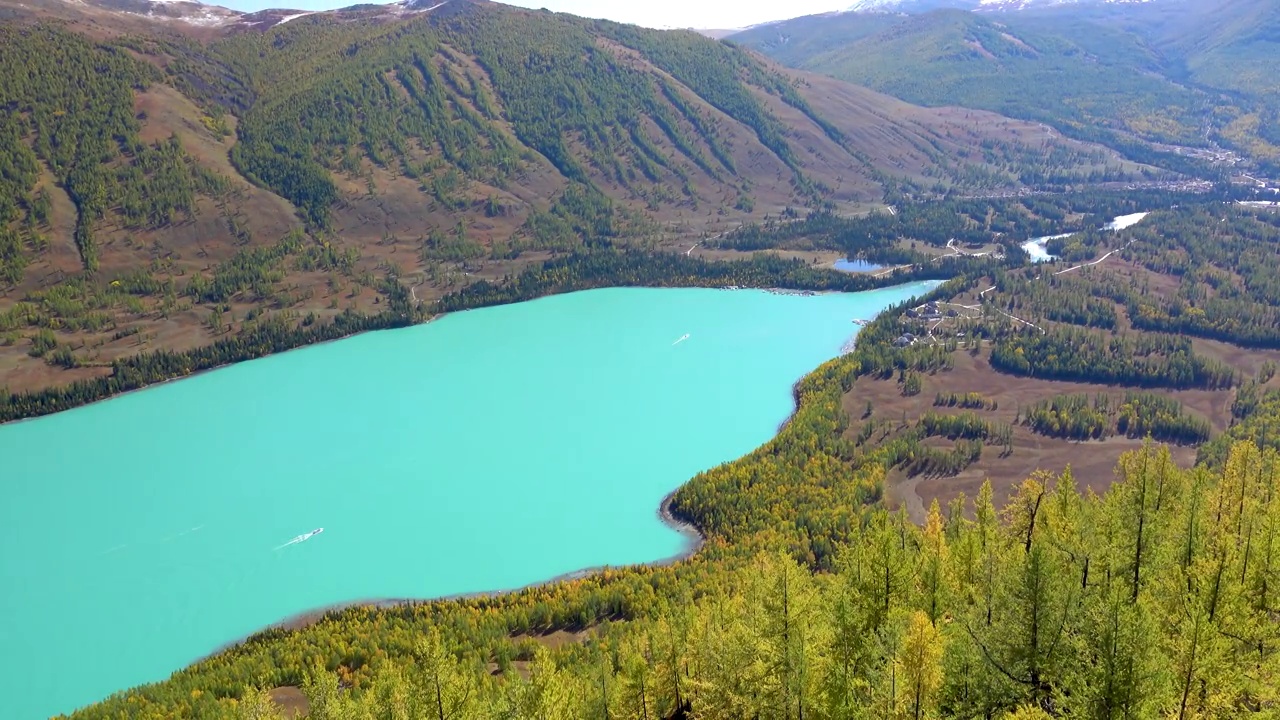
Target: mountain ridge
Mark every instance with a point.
(1141, 77)
(213, 178)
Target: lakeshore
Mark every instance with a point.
(694, 543)
(396, 465)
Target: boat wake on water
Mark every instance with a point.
(301, 538)
(184, 533)
(682, 339)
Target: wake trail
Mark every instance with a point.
(301, 538)
(184, 533)
(682, 339)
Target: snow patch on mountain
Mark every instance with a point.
(194, 12)
(874, 6)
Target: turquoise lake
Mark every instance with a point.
(487, 450)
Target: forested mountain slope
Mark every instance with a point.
(178, 174)
(1198, 37)
(1191, 73)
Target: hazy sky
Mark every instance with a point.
(710, 14)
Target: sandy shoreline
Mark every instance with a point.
(694, 542)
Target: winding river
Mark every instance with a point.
(1037, 248)
(488, 449)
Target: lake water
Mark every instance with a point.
(489, 449)
(856, 266)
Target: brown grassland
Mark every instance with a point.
(1092, 462)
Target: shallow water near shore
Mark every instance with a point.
(487, 450)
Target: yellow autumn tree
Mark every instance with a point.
(1028, 712)
(920, 663)
(257, 705)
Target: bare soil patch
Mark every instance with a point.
(291, 701)
(552, 641)
(822, 258)
(1092, 463)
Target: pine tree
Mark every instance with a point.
(852, 642)
(1036, 598)
(787, 625)
(548, 693)
(671, 667)
(920, 658)
(449, 688)
(730, 673)
(636, 694)
(936, 586)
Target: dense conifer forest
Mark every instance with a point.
(75, 100)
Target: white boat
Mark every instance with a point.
(301, 538)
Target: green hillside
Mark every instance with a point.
(1229, 45)
(1183, 73)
